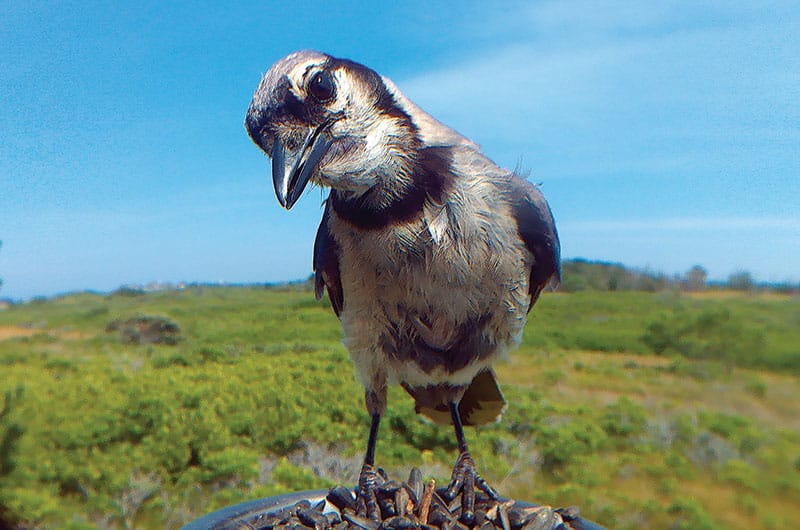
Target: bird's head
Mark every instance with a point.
(332, 122)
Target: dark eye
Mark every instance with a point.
(321, 87)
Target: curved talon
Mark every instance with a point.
(453, 489)
(368, 482)
(486, 488)
(465, 479)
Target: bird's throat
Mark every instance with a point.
(431, 179)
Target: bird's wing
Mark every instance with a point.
(326, 265)
(538, 230)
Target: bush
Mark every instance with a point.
(144, 329)
(690, 515)
(562, 444)
(259, 373)
(10, 430)
(297, 478)
(757, 387)
(624, 419)
(714, 334)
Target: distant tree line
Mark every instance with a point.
(581, 275)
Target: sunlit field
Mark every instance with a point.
(646, 410)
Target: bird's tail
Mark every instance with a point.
(483, 402)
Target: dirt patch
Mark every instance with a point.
(13, 332)
(728, 295)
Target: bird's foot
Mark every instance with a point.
(369, 480)
(465, 479)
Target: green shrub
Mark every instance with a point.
(11, 430)
(714, 334)
(757, 387)
(690, 515)
(567, 438)
(229, 463)
(261, 373)
(296, 478)
(624, 419)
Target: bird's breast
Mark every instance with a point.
(431, 298)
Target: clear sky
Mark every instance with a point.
(664, 134)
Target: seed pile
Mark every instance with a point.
(413, 505)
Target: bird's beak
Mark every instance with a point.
(290, 173)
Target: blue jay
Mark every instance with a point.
(431, 255)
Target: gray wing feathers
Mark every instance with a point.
(326, 265)
(538, 231)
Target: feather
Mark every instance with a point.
(326, 265)
(538, 231)
(482, 402)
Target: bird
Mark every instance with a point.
(431, 255)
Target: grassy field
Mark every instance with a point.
(647, 410)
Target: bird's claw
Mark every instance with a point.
(464, 479)
(368, 481)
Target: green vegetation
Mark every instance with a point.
(647, 410)
(580, 274)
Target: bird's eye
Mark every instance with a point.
(321, 87)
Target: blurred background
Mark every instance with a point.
(158, 333)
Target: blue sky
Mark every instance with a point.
(664, 135)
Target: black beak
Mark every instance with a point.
(290, 175)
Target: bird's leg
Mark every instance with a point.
(369, 479)
(465, 477)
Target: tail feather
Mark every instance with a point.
(483, 402)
